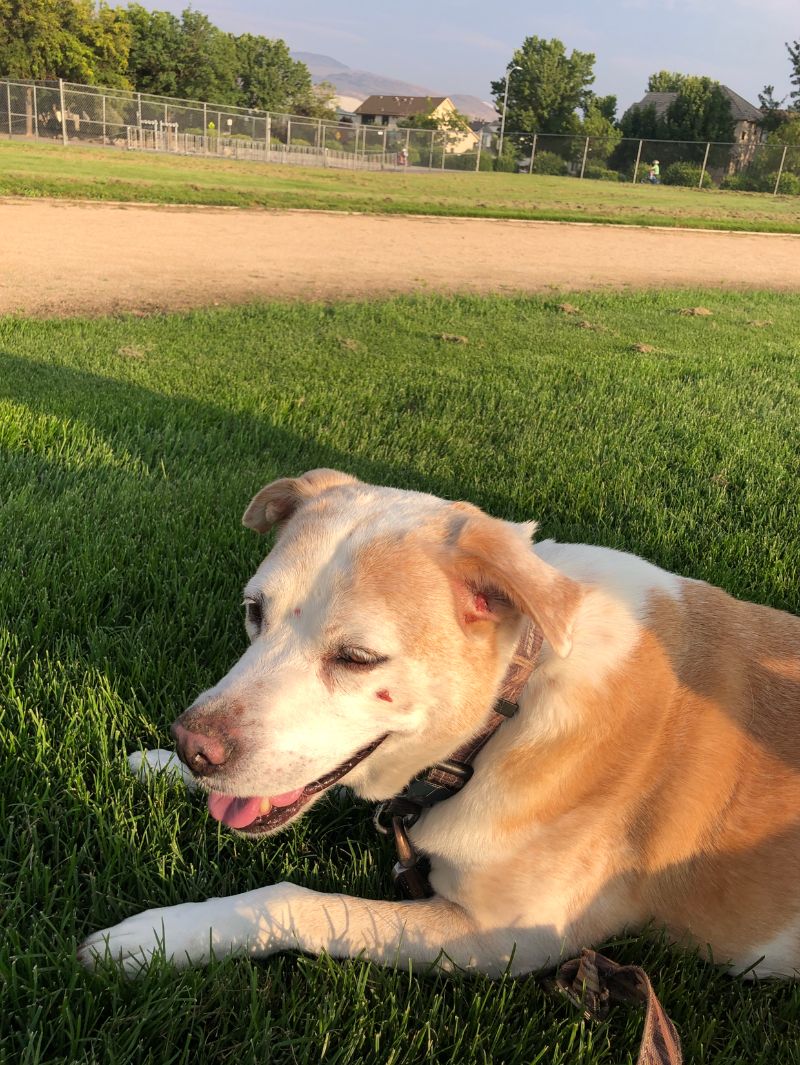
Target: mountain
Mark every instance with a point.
(363, 83)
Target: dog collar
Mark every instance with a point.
(446, 778)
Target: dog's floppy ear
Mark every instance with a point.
(276, 502)
(497, 570)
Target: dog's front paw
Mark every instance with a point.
(181, 935)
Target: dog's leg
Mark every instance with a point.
(288, 917)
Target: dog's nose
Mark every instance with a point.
(202, 754)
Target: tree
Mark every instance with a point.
(794, 58)
(665, 81)
(109, 37)
(155, 50)
(605, 105)
(268, 78)
(598, 123)
(701, 111)
(771, 109)
(207, 65)
(71, 39)
(546, 91)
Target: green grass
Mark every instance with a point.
(105, 174)
(130, 447)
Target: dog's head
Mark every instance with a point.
(380, 625)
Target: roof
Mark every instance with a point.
(741, 110)
(400, 106)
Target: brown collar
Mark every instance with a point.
(444, 779)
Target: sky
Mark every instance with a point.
(459, 47)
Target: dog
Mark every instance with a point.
(651, 776)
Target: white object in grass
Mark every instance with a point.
(143, 763)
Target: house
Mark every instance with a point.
(345, 108)
(746, 117)
(387, 110)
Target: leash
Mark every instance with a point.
(592, 981)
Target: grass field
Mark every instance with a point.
(105, 174)
(128, 449)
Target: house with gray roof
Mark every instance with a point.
(746, 117)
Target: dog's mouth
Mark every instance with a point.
(258, 814)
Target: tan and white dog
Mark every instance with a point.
(652, 774)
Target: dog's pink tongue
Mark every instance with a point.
(287, 798)
(236, 813)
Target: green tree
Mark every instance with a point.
(794, 58)
(598, 123)
(109, 36)
(155, 50)
(665, 81)
(71, 39)
(771, 109)
(701, 111)
(546, 91)
(207, 63)
(788, 132)
(268, 78)
(606, 105)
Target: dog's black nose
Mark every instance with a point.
(201, 753)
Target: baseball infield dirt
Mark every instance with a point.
(70, 258)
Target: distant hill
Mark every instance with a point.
(363, 83)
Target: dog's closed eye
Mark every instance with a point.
(358, 658)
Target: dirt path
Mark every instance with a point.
(59, 257)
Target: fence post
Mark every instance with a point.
(8, 106)
(444, 145)
(139, 109)
(205, 129)
(533, 152)
(430, 158)
(780, 170)
(35, 115)
(104, 118)
(269, 136)
(480, 144)
(28, 112)
(585, 153)
(63, 112)
(638, 158)
(703, 169)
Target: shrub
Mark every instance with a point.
(789, 184)
(549, 163)
(601, 173)
(467, 161)
(506, 163)
(738, 183)
(686, 174)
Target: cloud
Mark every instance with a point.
(474, 40)
(322, 28)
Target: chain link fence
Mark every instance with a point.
(78, 114)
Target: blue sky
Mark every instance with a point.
(451, 46)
